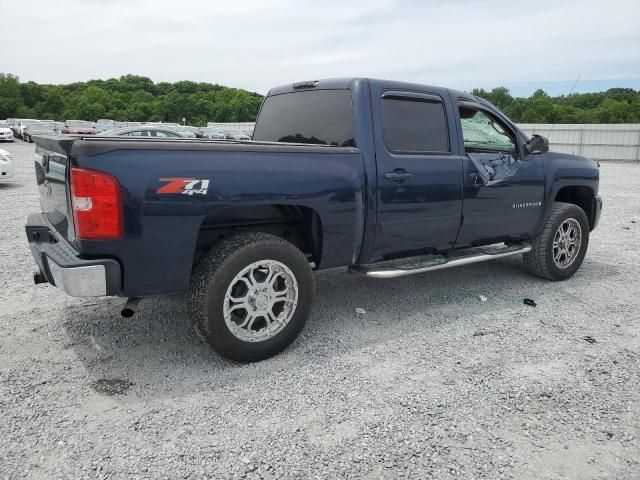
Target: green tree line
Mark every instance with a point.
(136, 98)
(128, 98)
(616, 105)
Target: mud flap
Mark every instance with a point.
(494, 168)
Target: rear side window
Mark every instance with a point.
(321, 117)
(414, 125)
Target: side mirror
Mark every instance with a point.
(537, 144)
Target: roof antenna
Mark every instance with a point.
(570, 92)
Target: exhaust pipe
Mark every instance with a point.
(130, 307)
(39, 277)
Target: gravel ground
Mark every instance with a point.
(430, 382)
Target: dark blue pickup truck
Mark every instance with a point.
(387, 178)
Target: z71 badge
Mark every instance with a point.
(184, 186)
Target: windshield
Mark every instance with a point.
(4, 125)
(79, 124)
(322, 117)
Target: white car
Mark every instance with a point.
(6, 166)
(22, 125)
(6, 134)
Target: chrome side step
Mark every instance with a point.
(429, 263)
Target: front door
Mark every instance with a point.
(503, 185)
(419, 174)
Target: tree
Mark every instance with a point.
(10, 96)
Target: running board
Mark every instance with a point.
(429, 263)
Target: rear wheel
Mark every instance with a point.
(251, 296)
(559, 250)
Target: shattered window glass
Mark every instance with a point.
(481, 132)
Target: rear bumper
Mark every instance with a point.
(597, 210)
(60, 264)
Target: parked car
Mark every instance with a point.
(104, 124)
(185, 131)
(197, 131)
(387, 178)
(11, 122)
(213, 134)
(236, 135)
(39, 128)
(79, 127)
(6, 166)
(13, 125)
(21, 126)
(6, 134)
(149, 131)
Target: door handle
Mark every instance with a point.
(399, 175)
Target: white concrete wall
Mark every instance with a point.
(598, 141)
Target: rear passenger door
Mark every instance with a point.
(419, 175)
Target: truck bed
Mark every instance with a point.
(251, 182)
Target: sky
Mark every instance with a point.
(257, 44)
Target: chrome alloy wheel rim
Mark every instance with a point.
(260, 301)
(566, 243)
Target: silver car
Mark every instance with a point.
(41, 128)
(213, 134)
(149, 131)
(236, 135)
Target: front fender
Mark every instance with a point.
(564, 170)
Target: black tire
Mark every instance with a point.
(214, 274)
(540, 260)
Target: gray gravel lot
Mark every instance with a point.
(429, 383)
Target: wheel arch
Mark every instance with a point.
(298, 224)
(582, 196)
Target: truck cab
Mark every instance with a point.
(446, 169)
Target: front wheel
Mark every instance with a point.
(251, 296)
(559, 250)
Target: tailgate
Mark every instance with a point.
(51, 164)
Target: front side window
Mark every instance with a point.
(484, 133)
(414, 125)
(321, 117)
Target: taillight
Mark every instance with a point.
(97, 208)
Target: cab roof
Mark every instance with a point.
(346, 82)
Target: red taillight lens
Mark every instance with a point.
(97, 208)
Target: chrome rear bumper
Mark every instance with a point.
(62, 267)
